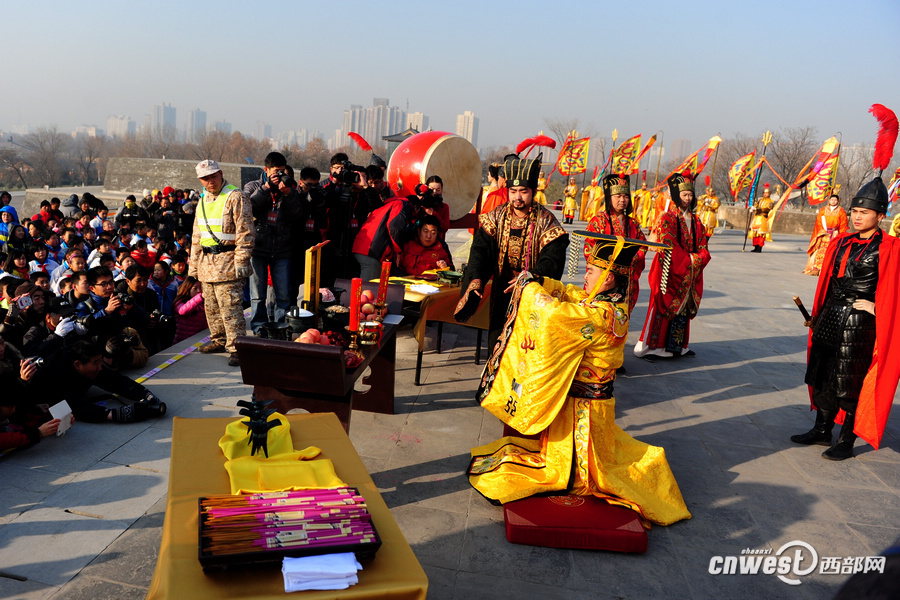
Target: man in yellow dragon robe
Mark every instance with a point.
(551, 373)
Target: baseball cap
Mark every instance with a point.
(60, 306)
(207, 168)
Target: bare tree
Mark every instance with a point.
(12, 159)
(209, 144)
(47, 152)
(854, 169)
(791, 149)
(87, 154)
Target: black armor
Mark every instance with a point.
(843, 339)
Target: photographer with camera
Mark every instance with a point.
(310, 228)
(46, 337)
(71, 373)
(140, 304)
(349, 203)
(433, 203)
(383, 235)
(26, 310)
(276, 207)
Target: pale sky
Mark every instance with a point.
(690, 69)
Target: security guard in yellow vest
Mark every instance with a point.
(221, 245)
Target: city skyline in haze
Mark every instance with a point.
(690, 71)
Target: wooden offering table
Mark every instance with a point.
(197, 469)
(315, 378)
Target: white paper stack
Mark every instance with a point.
(325, 572)
(424, 288)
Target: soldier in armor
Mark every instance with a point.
(759, 227)
(852, 371)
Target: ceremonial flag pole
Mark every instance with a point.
(658, 158)
(712, 177)
(767, 139)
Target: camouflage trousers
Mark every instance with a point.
(224, 312)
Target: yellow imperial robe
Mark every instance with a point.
(552, 374)
(540, 197)
(708, 211)
(571, 204)
(895, 227)
(639, 199)
(761, 225)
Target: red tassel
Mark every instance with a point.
(707, 181)
(538, 140)
(359, 140)
(887, 136)
(644, 175)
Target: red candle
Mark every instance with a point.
(355, 289)
(383, 282)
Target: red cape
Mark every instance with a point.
(880, 384)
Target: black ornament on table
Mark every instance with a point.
(258, 425)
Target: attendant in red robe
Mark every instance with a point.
(676, 277)
(616, 220)
(854, 342)
(427, 251)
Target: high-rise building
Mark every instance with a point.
(337, 140)
(680, 148)
(373, 122)
(162, 117)
(196, 122)
(223, 127)
(417, 120)
(120, 126)
(467, 127)
(83, 131)
(263, 130)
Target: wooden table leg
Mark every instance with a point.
(380, 397)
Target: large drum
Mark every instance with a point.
(453, 158)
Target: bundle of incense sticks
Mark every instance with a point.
(284, 520)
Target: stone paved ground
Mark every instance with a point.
(80, 516)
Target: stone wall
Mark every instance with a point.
(132, 175)
(790, 221)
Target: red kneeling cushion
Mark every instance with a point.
(582, 522)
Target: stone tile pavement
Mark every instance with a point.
(80, 516)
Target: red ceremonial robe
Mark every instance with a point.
(880, 384)
(603, 223)
(689, 257)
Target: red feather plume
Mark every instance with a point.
(707, 180)
(359, 140)
(644, 175)
(887, 136)
(538, 140)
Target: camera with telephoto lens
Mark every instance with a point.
(350, 173)
(125, 299)
(282, 176)
(37, 361)
(86, 321)
(427, 198)
(155, 407)
(158, 318)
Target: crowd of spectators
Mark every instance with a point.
(84, 293)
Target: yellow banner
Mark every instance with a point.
(694, 163)
(624, 155)
(573, 157)
(820, 186)
(738, 173)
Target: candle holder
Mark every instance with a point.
(380, 310)
(369, 333)
(354, 346)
